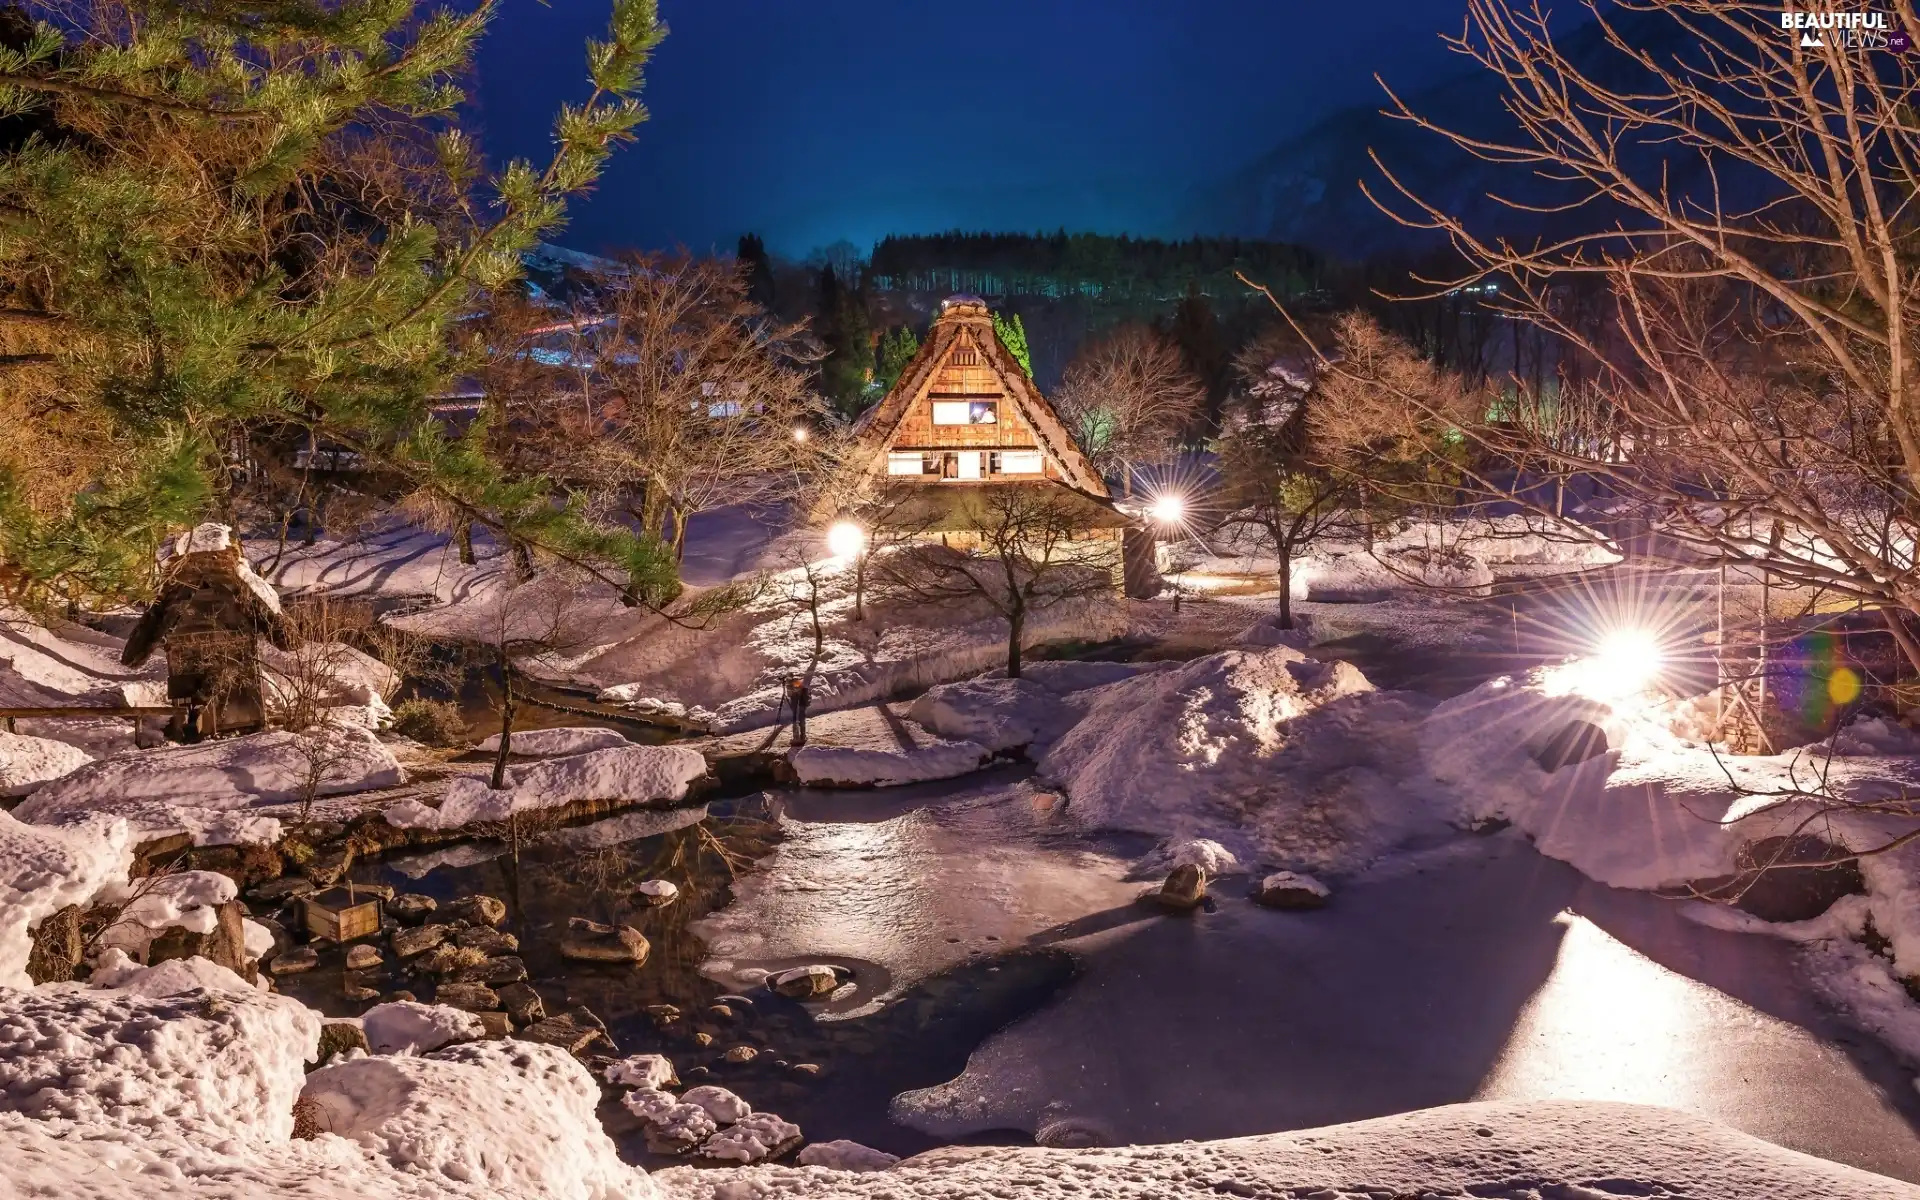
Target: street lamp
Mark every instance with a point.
(1169, 512)
(799, 433)
(845, 539)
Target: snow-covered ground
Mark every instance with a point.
(1565, 1150)
(212, 790)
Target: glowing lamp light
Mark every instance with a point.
(846, 539)
(1168, 509)
(799, 433)
(1627, 660)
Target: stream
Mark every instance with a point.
(1474, 970)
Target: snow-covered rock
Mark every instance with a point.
(207, 790)
(651, 1071)
(43, 869)
(28, 762)
(884, 762)
(552, 743)
(751, 1139)
(628, 774)
(188, 899)
(843, 1155)
(999, 714)
(170, 978)
(1210, 856)
(1291, 890)
(510, 1116)
(408, 1027)
(722, 1105)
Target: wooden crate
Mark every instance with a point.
(340, 916)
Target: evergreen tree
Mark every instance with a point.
(752, 255)
(846, 374)
(897, 349)
(251, 215)
(1012, 332)
(1197, 331)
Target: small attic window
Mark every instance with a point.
(965, 356)
(965, 412)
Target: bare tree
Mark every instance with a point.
(1128, 397)
(1748, 206)
(1025, 549)
(687, 396)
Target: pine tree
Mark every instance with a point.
(1012, 332)
(251, 215)
(1197, 330)
(897, 349)
(846, 374)
(752, 254)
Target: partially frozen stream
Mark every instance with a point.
(1477, 970)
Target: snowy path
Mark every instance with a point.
(1480, 971)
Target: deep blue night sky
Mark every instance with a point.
(855, 118)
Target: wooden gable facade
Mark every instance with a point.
(965, 412)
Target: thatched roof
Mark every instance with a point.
(967, 317)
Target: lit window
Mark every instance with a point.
(1019, 462)
(908, 463)
(956, 412)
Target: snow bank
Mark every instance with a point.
(999, 714)
(354, 684)
(171, 978)
(730, 675)
(1275, 756)
(407, 1027)
(207, 790)
(43, 870)
(552, 743)
(28, 762)
(508, 1115)
(42, 666)
(109, 1065)
(881, 761)
(628, 774)
(1570, 1149)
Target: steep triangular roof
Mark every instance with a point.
(964, 321)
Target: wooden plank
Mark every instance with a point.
(117, 710)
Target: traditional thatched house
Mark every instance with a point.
(963, 424)
(965, 412)
(209, 616)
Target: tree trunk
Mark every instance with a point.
(677, 517)
(522, 560)
(1016, 625)
(465, 537)
(860, 587)
(506, 723)
(1284, 552)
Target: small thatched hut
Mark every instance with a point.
(209, 616)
